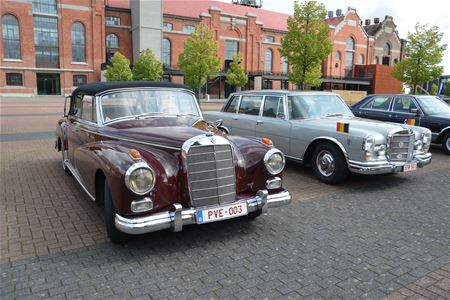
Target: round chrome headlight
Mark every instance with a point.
(140, 178)
(274, 161)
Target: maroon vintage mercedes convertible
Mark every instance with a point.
(143, 150)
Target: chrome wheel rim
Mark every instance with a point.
(64, 155)
(447, 144)
(325, 163)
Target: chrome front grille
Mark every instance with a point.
(401, 146)
(211, 176)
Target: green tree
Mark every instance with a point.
(147, 67)
(306, 43)
(236, 75)
(434, 89)
(199, 58)
(119, 68)
(447, 89)
(423, 53)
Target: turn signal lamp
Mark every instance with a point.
(134, 154)
(267, 141)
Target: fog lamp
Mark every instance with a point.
(273, 183)
(141, 205)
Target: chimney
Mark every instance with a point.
(338, 12)
(367, 22)
(330, 14)
(376, 20)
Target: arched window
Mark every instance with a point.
(387, 50)
(338, 56)
(361, 59)
(166, 52)
(112, 41)
(11, 37)
(349, 56)
(268, 61)
(78, 43)
(284, 65)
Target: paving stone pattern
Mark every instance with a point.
(372, 237)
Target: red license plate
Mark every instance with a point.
(221, 213)
(410, 167)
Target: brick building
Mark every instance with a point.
(73, 41)
(68, 47)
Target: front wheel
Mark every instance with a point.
(329, 163)
(446, 143)
(114, 235)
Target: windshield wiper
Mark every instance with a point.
(187, 114)
(334, 115)
(148, 114)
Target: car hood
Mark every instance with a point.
(169, 132)
(357, 126)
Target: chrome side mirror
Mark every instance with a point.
(65, 105)
(218, 123)
(414, 111)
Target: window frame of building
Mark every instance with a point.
(231, 47)
(78, 42)
(77, 82)
(284, 65)
(167, 26)
(361, 59)
(387, 49)
(46, 41)
(11, 37)
(188, 29)
(45, 7)
(166, 52)
(108, 41)
(269, 39)
(349, 56)
(11, 81)
(112, 21)
(268, 61)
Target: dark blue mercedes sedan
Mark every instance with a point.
(426, 111)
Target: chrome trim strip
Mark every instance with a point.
(210, 161)
(179, 217)
(211, 170)
(215, 187)
(201, 198)
(75, 174)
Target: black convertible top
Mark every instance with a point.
(99, 87)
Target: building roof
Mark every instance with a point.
(372, 29)
(100, 87)
(335, 20)
(193, 9)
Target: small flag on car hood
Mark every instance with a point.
(342, 127)
(410, 122)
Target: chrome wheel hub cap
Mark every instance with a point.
(447, 144)
(325, 163)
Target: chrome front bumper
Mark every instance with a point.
(383, 167)
(176, 219)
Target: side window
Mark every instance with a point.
(88, 111)
(250, 105)
(231, 108)
(379, 102)
(403, 104)
(76, 107)
(273, 107)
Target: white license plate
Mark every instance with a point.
(221, 213)
(409, 167)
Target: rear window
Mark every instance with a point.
(250, 105)
(379, 103)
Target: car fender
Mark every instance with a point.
(307, 155)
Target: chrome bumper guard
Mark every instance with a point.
(179, 217)
(383, 167)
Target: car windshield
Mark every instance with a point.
(145, 103)
(315, 106)
(433, 105)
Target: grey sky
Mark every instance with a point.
(405, 14)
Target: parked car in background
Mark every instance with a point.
(143, 150)
(426, 111)
(318, 129)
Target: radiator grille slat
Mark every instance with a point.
(211, 175)
(401, 147)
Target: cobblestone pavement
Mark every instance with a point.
(372, 237)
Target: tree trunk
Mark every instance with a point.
(238, 89)
(199, 91)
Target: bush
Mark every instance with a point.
(147, 67)
(119, 68)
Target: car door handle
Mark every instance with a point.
(390, 116)
(259, 122)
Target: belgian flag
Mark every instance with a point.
(411, 122)
(342, 127)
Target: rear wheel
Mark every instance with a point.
(446, 143)
(114, 235)
(329, 163)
